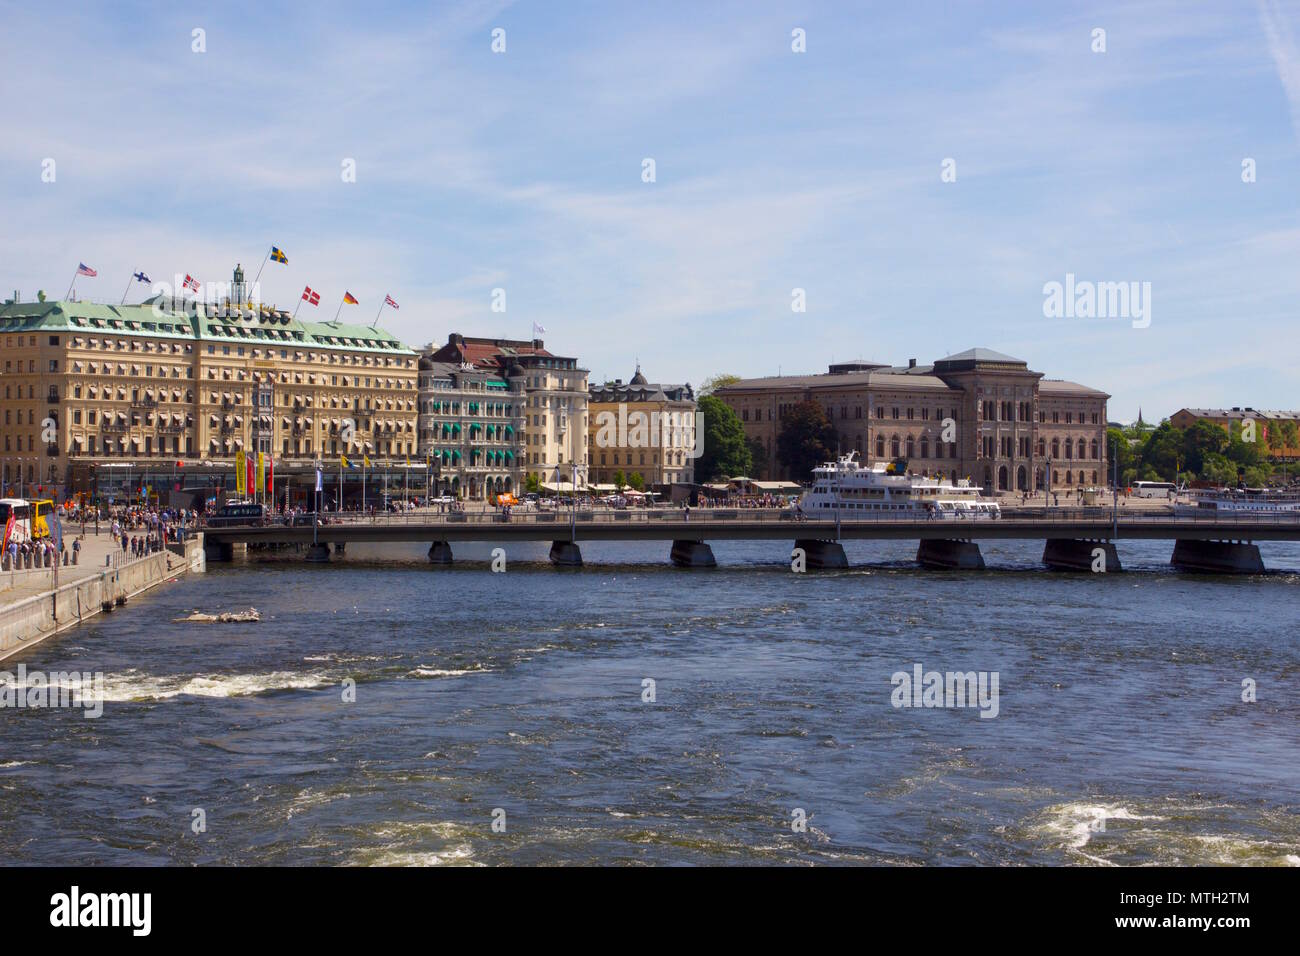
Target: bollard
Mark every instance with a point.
(65, 559)
(108, 560)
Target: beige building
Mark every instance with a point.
(555, 406)
(977, 414)
(641, 428)
(100, 397)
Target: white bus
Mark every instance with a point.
(1154, 489)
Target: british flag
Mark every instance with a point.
(388, 300)
(191, 282)
(310, 297)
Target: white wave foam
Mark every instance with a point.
(1077, 822)
(132, 686)
(436, 672)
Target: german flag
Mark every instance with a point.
(350, 299)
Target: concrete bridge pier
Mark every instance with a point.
(318, 554)
(566, 554)
(339, 547)
(822, 555)
(440, 553)
(1077, 554)
(692, 554)
(1217, 557)
(950, 555)
(218, 551)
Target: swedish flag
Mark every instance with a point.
(365, 460)
(278, 255)
(343, 460)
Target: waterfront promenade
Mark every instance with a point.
(33, 608)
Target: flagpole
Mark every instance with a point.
(72, 283)
(296, 308)
(128, 289)
(261, 267)
(338, 311)
(363, 482)
(340, 501)
(378, 314)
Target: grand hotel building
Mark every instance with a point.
(1011, 423)
(165, 385)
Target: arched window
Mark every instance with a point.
(1042, 448)
(925, 447)
(1068, 478)
(1095, 456)
(1056, 448)
(880, 446)
(894, 449)
(911, 446)
(1069, 449)
(1083, 450)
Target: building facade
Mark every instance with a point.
(977, 414)
(555, 400)
(471, 426)
(641, 428)
(96, 392)
(1275, 431)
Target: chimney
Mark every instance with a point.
(911, 363)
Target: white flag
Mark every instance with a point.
(538, 328)
(318, 480)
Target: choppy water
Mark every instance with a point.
(1121, 735)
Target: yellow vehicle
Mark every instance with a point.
(31, 518)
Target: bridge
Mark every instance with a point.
(1075, 538)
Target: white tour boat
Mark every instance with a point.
(1239, 501)
(847, 489)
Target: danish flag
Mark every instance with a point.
(191, 282)
(308, 296)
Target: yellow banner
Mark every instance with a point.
(261, 470)
(241, 474)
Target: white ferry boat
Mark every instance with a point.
(1239, 501)
(847, 489)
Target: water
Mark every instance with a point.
(1121, 735)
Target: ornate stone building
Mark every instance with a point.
(977, 414)
(658, 447)
(555, 405)
(471, 425)
(102, 395)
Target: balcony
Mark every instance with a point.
(52, 397)
(144, 403)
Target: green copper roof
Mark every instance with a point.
(265, 326)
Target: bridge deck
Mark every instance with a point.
(709, 525)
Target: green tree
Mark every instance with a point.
(715, 382)
(1201, 439)
(620, 480)
(1117, 444)
(532, 482)
(636, 482)
(725, 453)
(1161, 454)
(806, 439)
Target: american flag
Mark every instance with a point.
(85, 270)
(388, 300)
(308, 296)
(191, 282)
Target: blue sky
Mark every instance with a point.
(774, 170)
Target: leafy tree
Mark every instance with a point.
(1117, 443)
(636, 482)
(533, 482)
(715, 382)
(806, 439)
(620, 480)
(726, 453)
(1201, 439)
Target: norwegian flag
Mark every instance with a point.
(388, 300)
(310, 297)
(191, 282)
